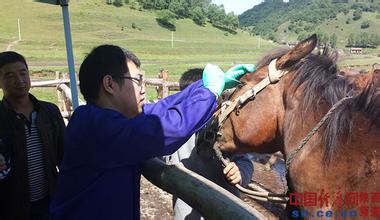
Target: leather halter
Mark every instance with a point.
(273, 77)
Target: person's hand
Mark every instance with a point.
(3, 164)
(232, 173)
(213, 79)
(233, 75)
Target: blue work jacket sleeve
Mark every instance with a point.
(169, 123)
(244, 162)
(100, 137)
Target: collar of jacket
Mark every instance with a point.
(34, 100)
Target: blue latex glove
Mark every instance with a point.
(213, 79)
(235, 73)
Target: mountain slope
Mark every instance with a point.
(281, 21)
(93, 23)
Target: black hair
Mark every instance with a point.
(132, 57)
(101, 61)
(11, 57)
(190, 76)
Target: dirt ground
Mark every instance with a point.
(154, 203)
(157, 204)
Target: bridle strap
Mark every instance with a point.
(273, 77)
(228, 106)
(274, 74)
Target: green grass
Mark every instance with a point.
(343, 30)
(94, 23)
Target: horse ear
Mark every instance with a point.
(298, 52)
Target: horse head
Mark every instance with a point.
(258, 125)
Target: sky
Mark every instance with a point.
(237, 6)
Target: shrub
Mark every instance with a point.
(167, 19)
(364, 25)
(118, 3)
(134, 5)
(198, 16)
(357, 14)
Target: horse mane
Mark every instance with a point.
(316, 76)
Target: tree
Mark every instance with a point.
(373, 39)
(180, 8)
(198, 16)
(216, 13)
(363, 39)
(231, 21)
(364, 25)
(118, 3)
(323, 38)
(161, 4)
(351, 40)
(302, 36)
(167, 19)
(333, 40)
(203, 4)
(357, 14)
(147, 4)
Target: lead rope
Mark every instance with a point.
(273, 77)
(274, 197)
(292, 154)
(262, 195)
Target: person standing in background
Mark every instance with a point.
(203, 162)
(31, 144)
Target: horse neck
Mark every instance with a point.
(299, 121)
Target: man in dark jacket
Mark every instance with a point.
(31, 144)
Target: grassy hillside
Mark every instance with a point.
(93, 23)
(295, 19)
(338, 26)
(343, 30)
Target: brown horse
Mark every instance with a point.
(341, 161)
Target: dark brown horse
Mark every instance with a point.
(342, 159)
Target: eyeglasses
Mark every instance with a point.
(138, 81)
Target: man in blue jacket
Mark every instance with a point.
(108, 138)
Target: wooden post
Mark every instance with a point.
(212, 201)
(59, 95)
(68, 105)
(19, 29)
(64, 102)
(163, 90)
